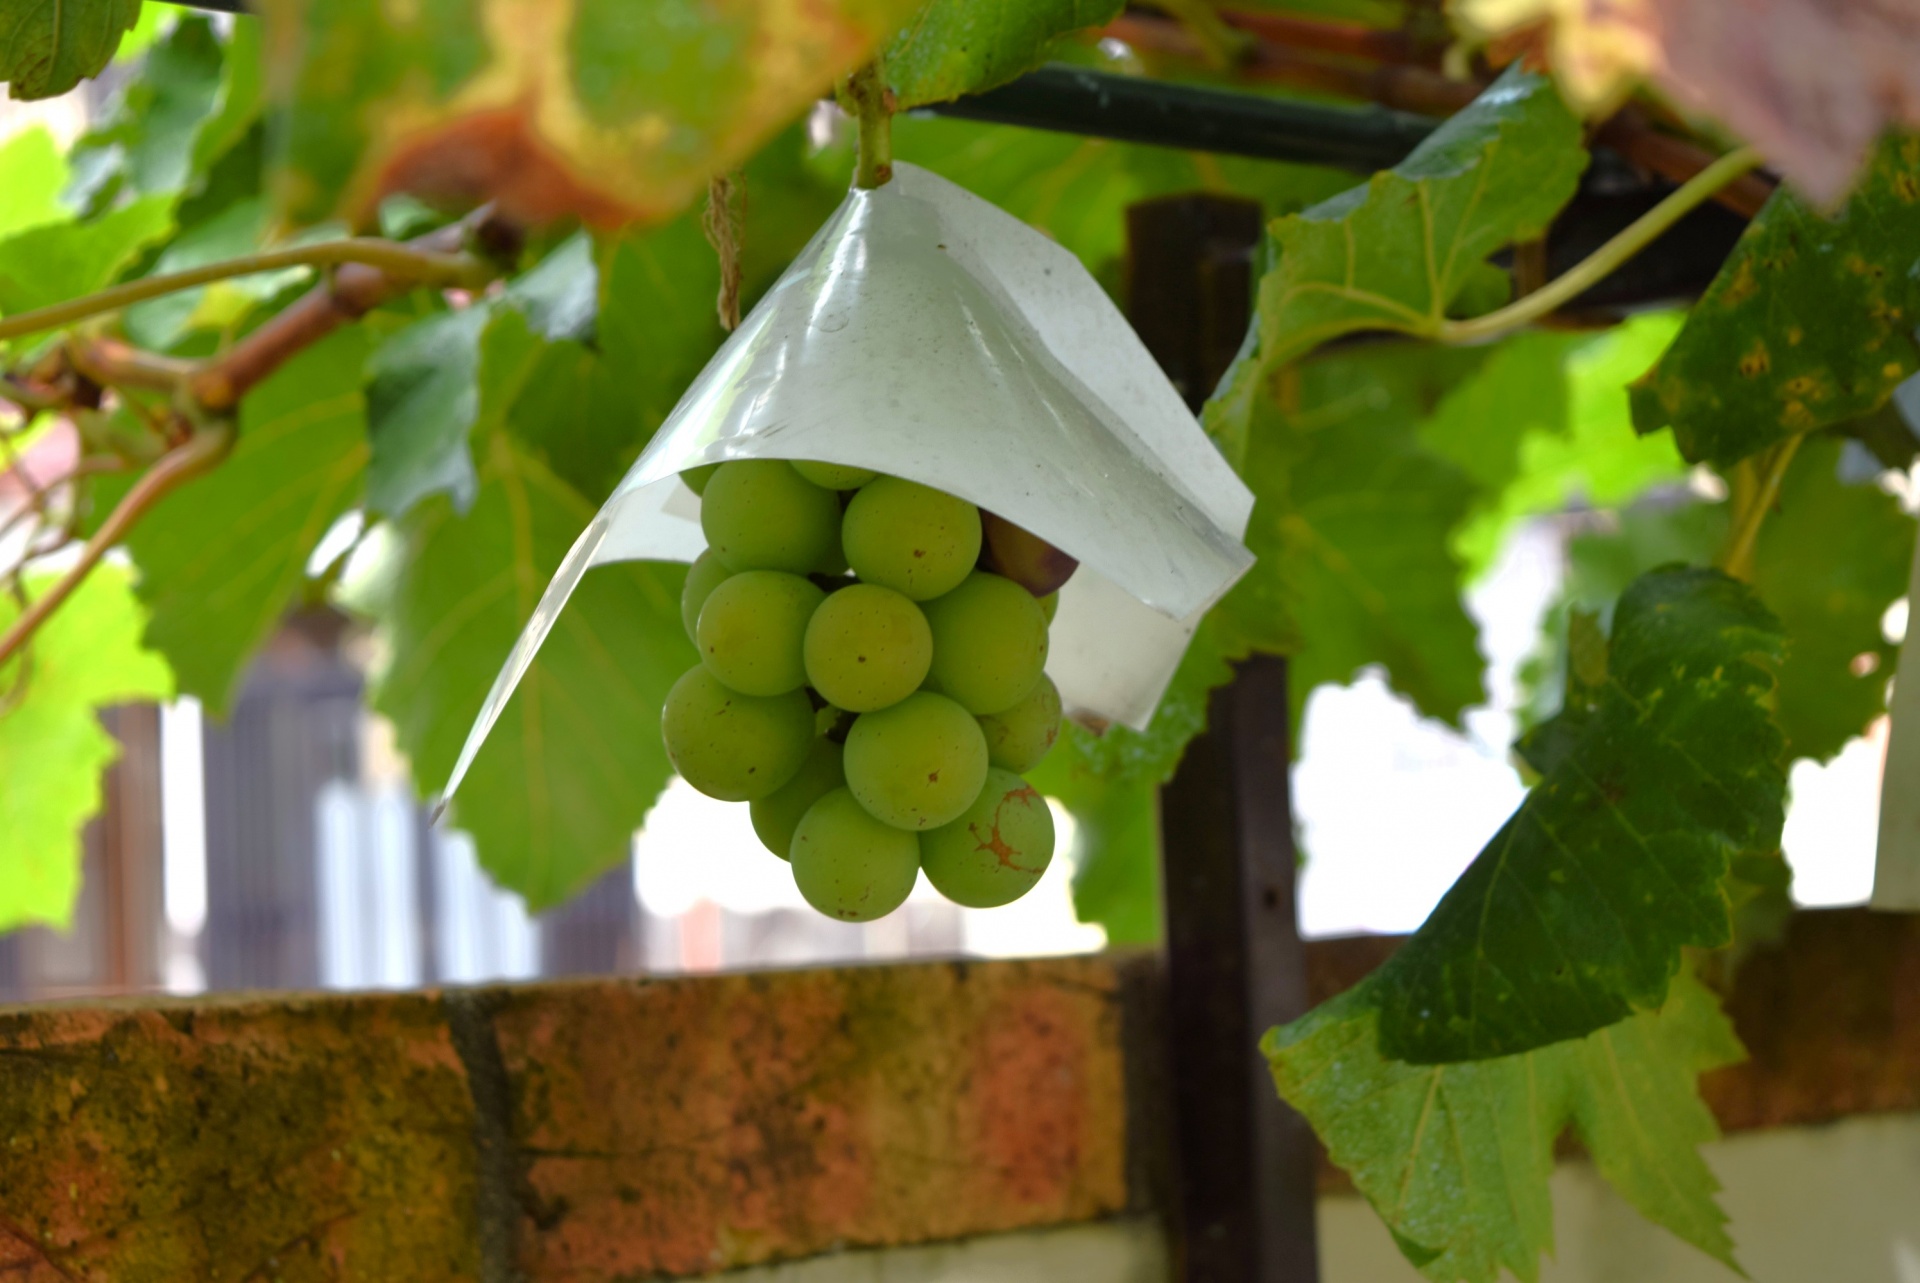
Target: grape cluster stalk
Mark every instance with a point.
(871, 682)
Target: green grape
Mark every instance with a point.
(1019, 737)
(867, 647)
(911, 538)
(751, 629)
(776, 815)
(849, 865)
(989, 643)
(918, 764)
(703, 576)
(834, 476)
(731, 746)
(1050, 605)
(697, 478)
(994, 853)
(759, 514)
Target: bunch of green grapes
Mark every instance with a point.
(871, 681)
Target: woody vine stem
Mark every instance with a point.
(198, 428)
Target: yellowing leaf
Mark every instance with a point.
(1812, 83)
(1809, 323)
(611, 110)
(52, 746)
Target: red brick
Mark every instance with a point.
(685, 1126)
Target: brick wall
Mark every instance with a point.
(615, 1129)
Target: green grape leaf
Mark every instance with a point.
(646, 299)
(61, 261)
(238, 105)
(1809, 323)
(657, 321)
(1398, 252)
(1520, 391)
(147, 144)
(1455, 1158)
(163, 323)
(1546, 420)
(1108, 782)
(32, 174)
(956, 47)
(560, 295)
(575, 761)
(423, 394)
(49, 46)
(52, 746)
(1116, 875)
(1830, 559)
(1350, 526)
(222, 558)
(612, 111)
(1575, 914)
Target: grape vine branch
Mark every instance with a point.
(421, 267)
(1594, 268)
(365, 272)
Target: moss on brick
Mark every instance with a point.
(303, 1140)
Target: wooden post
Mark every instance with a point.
(1244, 1162)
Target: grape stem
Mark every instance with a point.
(396, 261)
(872, 104)
(1589, 271)
(1757, 487)
(205, 448)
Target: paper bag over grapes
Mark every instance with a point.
(935, 494)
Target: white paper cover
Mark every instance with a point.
(927, 334)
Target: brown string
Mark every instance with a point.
(722, 226)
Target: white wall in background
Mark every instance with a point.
(367, 897)
(183, 842)
(1391, 807)
(480, 932)
(1837, 1204)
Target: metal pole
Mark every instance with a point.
(1134, 109)
(1243, 1205)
